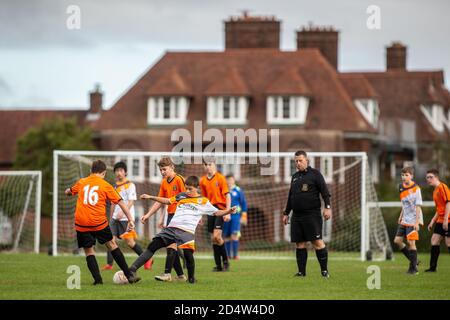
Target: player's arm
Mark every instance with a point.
(161, 200)
(153, 209)
(127, 213)
(430, 226)
(400, 217)
(418, 213)
(446, 215)
(72, 190)
(221, 213)
(243, 204)
(288, 209)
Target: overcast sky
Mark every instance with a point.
(45, 64)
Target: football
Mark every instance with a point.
(119, 278)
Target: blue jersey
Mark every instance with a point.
(238, 200)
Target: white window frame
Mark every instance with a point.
(153, 169)
(179, 106)
(215, 110)
(298, 109)
(326, 168)
(435, 115)
(369, 109)
(129, 162)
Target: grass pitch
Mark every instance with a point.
(30, 276)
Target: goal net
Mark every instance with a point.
(355, 231)
(20, 210)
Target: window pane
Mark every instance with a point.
(286, 108)
(177, 106)
(226, 108)
(156, 108)
(166, 108)
(135, 169)
(275, 107)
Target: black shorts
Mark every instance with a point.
(307, 228)
(118, 227)
(215, 223)
(88, 239)
(440, 230)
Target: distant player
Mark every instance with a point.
(91, 223)
(171, 185)
(190, 206)
(441, 197)
(214, 187)
(409, 219)
(232, 228)
(118, 222)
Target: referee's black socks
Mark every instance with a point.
(302, 258)
(93, 268)
(322, 256)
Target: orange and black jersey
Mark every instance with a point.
(90, 212)
(441, 196)
(215, 189)
(170, 188)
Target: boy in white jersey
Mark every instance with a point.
(119, 221)
(181, 229)
(410, 218)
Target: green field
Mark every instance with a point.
(29, 276)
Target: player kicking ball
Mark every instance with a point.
(409, 219)
(91, 223)
(181, 229)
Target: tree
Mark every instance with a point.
(35, 150)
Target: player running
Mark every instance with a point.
(190, 206)
(410, 217)
(171, 185)
(118, 222)
(91, 223)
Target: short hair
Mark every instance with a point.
(192, 181)
(209, 159)
(301, 153)
(230, 175)
(434, 172)
(120, 165)
(98, 166)
(409, 170)
(165, 162)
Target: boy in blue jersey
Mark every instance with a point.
(232, 228)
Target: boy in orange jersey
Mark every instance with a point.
(171, 185)
(409, 219)
(91, 223)
(441, 197)
(213, 186)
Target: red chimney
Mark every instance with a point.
(252, 32)
(96, 100)
(323, 38)
(396, 56)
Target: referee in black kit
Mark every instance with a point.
(306, 222)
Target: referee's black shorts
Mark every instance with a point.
(306, 227)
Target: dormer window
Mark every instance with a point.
(287, 109)
(167, 110)
(435, 115)
(227, 110)
(369, 109)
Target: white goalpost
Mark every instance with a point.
(356, 231)
(20, 210)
